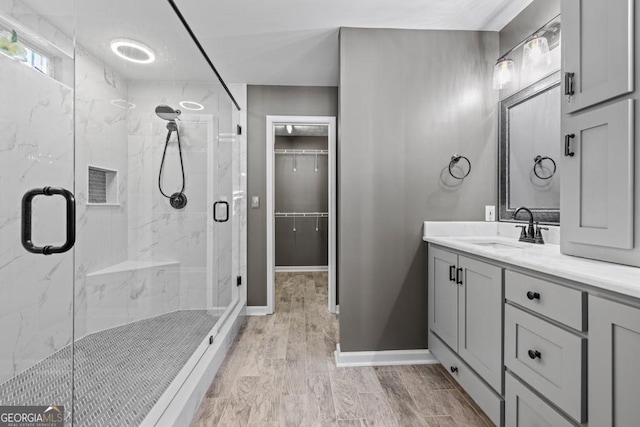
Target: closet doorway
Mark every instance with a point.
(301, 199)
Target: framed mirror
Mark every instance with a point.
(529, 153)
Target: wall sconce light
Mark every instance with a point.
(536, 53)
(503, 73)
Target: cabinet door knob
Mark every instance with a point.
(534, 354)
(459, 276)
(454, 369)
(533, 295)
(452, 273)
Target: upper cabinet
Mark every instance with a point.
(597, 51)
(600, 184)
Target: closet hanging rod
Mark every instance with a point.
(283, 151)
(302, 214)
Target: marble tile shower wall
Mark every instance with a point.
(36, 149)
(156, 230)
(101, 140)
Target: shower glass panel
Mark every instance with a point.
(36, 151)
(151, 269)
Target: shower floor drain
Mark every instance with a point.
(120, 373)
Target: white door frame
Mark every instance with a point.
(271, 242)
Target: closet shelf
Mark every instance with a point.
(302, 152)
(302, 214)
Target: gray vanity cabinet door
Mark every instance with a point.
(614, 351)
(443, 296)
(597, 47)
(597, 181)
(480, 329)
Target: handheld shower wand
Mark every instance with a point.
(178, 200)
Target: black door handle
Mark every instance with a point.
(452, 273)
(568, 84)
(459, 276)
(226, 210)
(27, 211)
(567, 145)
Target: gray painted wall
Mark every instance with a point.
(409, 100)
(263, 101)
(303, 190)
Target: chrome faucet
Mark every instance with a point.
(528, 234)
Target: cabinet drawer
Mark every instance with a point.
(565, 305)
(482, 394)
(523, 408)
(548, 358)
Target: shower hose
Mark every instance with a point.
(175, 197)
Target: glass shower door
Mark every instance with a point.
(37, 209)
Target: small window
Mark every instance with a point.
(12, 46)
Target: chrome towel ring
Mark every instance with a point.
(454, 161)
(538, 163)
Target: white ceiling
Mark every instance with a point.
(295, 42)
(271, 42)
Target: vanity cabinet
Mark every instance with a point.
(597, 51)
(614, 352)
(465, 311)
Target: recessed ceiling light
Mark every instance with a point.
(190, 105)
(133, 51)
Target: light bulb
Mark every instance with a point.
(503, 73)
(289, 129)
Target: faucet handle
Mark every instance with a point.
(523, 233)
(539, 239)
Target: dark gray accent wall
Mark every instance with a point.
(263, 101)
(304, 189)
(409, 100)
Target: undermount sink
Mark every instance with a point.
(499, 244)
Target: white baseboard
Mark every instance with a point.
(262, 310)
(383, 358)
(297, 269)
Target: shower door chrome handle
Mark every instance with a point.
(226, 210)
(27, 211)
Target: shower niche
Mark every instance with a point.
(102, 186)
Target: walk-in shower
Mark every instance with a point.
(178, 200)
(118, 328)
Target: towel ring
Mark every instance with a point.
(538, 162)
(454, 161)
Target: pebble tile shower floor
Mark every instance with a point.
(120, 373)
(281, 372)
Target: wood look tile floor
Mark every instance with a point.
(280, 371)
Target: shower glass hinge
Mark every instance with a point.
(239, 129)
(238, 280)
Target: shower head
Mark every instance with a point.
(167, 113)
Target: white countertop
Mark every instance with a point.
(464, 236)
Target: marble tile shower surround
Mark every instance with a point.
(101, 140)
(36, 304)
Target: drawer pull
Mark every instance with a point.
(534, 354)
(459, 276)
(452, 273)
(533, 295)
(454, 369)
